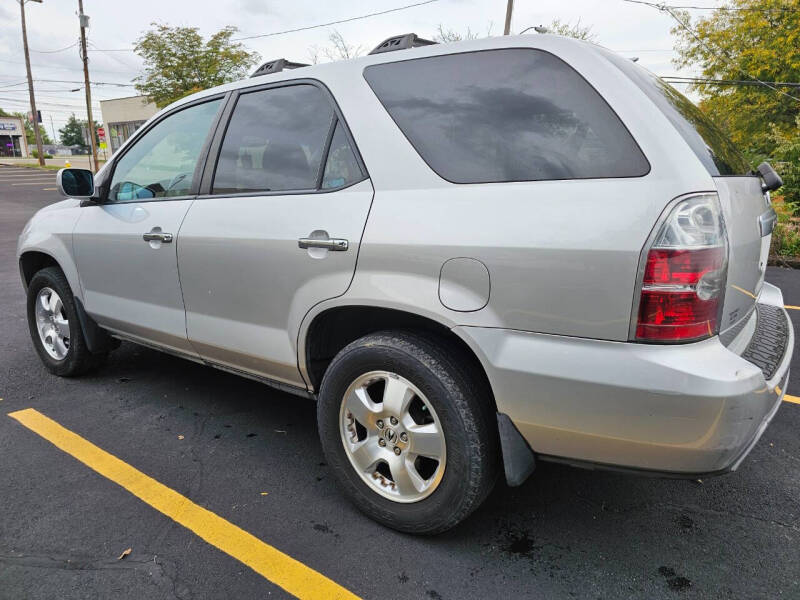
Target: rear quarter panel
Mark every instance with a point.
(562, 256)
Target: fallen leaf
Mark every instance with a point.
(180, 437)
(124, 554)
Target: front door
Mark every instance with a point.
(277, 233)
(125, 246)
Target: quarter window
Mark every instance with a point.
(505, 115)
(162, 162)
(275, 141)
(341, 167)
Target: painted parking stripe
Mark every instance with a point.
(792, 399)
(790, 307)
(279, 568)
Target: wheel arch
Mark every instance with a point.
(33, 261)
(333, 328)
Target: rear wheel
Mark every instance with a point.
(407, 432)
(54, 326)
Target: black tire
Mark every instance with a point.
(465, 411)
(78, 359)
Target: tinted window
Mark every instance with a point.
(714, 149)
(505, 115)
(161, 163)
(275, 141)
(341, 168)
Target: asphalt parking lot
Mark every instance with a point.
(250, 456)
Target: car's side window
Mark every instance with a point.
(161, 163)
(275, 141)
(505, 115)
(341, 166)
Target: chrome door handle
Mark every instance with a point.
(165, 238)
(333, 244)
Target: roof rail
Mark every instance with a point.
(275, 66)
(401, 42)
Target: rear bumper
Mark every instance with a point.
(679, 410)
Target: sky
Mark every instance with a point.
(53, 32)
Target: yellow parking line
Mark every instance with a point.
(790, 307)
(281, 569)
(793, 399)
(52, 189)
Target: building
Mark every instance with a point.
(12, 137)
(123, 116)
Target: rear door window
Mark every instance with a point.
(505, 115)
(275, 141)
(711, 145)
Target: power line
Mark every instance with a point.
(665, 8)
(306, 28)
(72, 45)
(708, 81)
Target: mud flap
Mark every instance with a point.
(97, 339)
(518, 459)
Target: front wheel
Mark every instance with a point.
(407, 431)
(54, 326)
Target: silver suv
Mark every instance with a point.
(474, 257)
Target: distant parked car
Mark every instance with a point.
(474, 256)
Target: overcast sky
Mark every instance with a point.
(633, 30)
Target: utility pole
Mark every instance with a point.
(509, 10)
(84, 21)
(34, 112)
(53, 129)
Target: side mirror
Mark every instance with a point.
(770, 179)
(75, 183)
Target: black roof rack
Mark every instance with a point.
(401, 42)
(276, 66)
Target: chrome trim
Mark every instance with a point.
(767, 222)
(333, 244)
(166, 238)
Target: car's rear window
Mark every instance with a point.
(711, 145)
(505, 115)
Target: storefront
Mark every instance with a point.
(12, 137)
(123, 116)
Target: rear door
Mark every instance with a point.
(125, 246)
(277, 231)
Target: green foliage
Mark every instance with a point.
(72, 134)
(760, 42)
(786, 158)
(35, 154)
(177, 62)
(786, 235)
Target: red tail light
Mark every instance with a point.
(683, 280)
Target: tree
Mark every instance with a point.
(573, 30)
(177, 62)
(72, 134)
(338, 49)
(757, 39)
